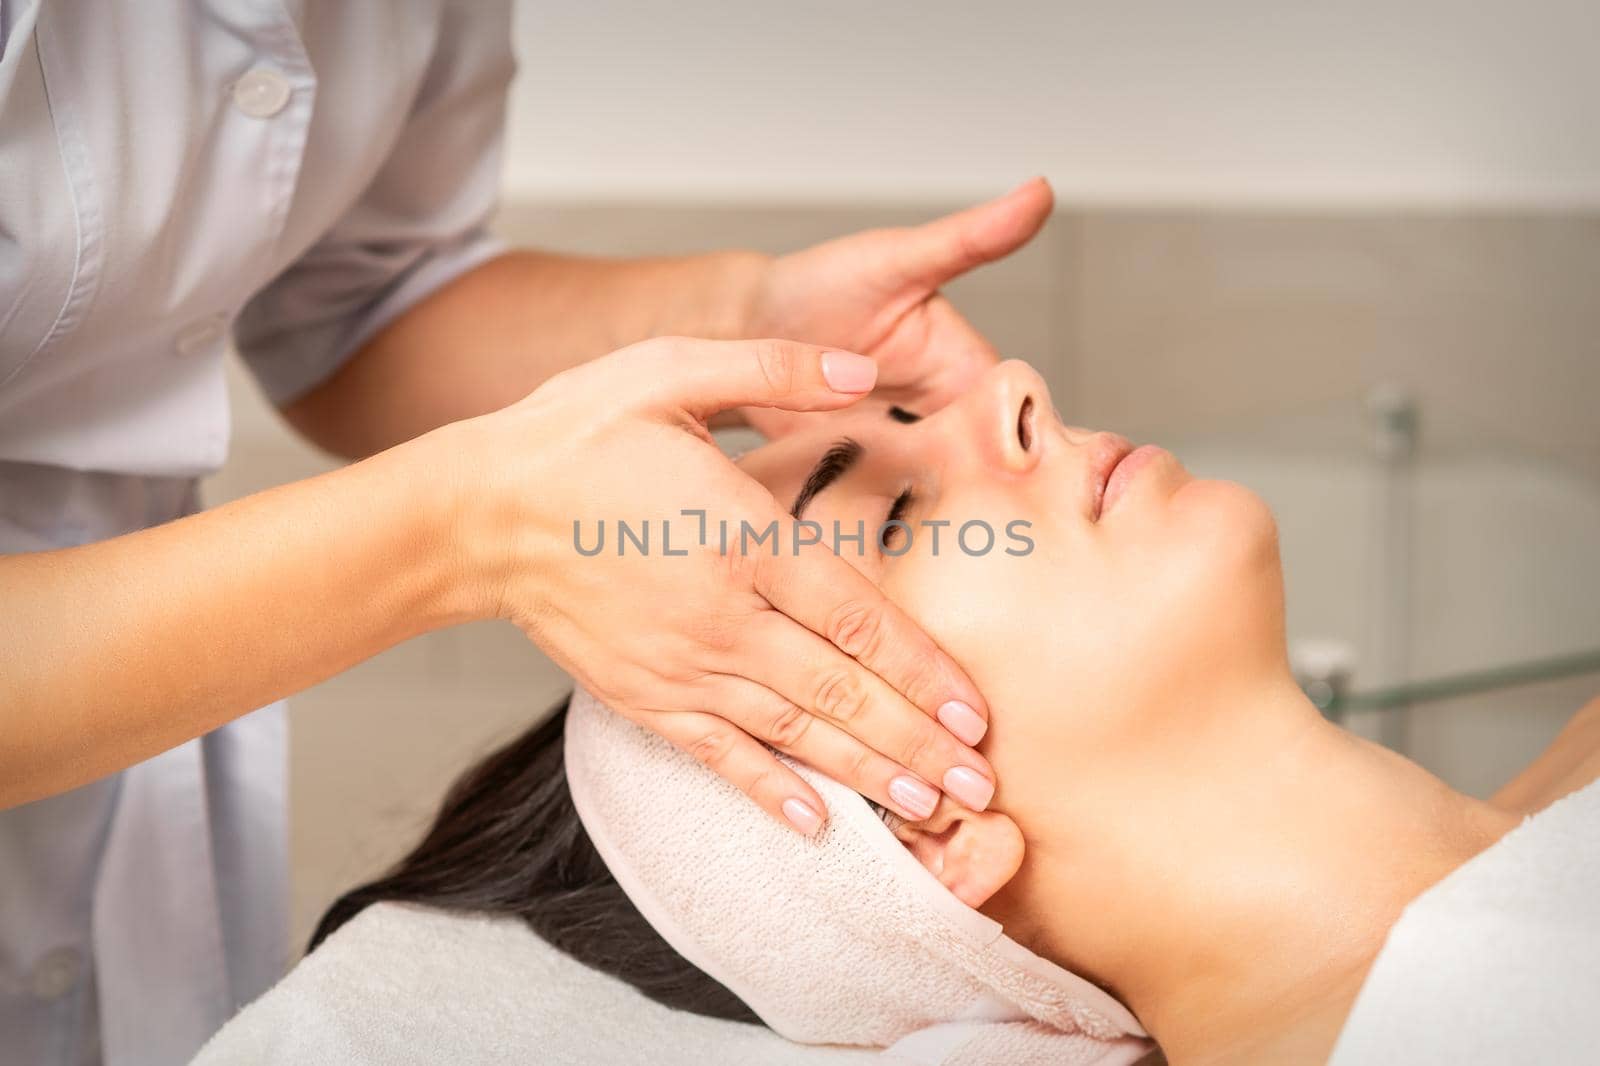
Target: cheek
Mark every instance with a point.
(1020, 624)
(966, 591)
(1090, 624)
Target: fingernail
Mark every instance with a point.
(802, 816)
(849, 372)
(917, 798)
(963, 721)
(968, 787)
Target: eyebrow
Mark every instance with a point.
(833, 465)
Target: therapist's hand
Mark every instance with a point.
(878, 293)
(716, 652)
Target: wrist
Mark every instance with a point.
(444, 526)
(737, 283)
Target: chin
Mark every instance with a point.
(1230, 523)
(1237, 582)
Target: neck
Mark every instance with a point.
(1234, 889)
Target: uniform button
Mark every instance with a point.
(54, 975)
(261, 93)
(200, 336)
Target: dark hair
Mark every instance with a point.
(507, 840)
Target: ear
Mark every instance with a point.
(972, 854)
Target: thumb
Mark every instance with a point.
(935, 252)
(705, 377)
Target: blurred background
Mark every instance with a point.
(1346, 254)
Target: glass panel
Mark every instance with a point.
(1424, 559)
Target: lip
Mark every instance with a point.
(1106, 452)
(1124, 472)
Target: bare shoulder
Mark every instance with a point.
(1570, 762)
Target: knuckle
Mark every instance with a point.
(857, 630)
(654, 354)
(969, 249)
(841, 697)
(920, 746)
(713, 747)
(767, 784)
(789, 726)
(861, 766)
(738, 566)
(682, 681)
(778, 366)
(716, 633)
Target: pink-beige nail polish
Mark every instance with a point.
(964, 722)
(968, 787)
(916, 798)
(802, 816)
(849, 372)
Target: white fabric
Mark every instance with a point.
(298, 173)
(406, 986)
(146, 212)
(839, 939)
(139, 911)
(1499, 962)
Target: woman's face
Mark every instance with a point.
(1113, 582)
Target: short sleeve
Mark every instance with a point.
(420, 223)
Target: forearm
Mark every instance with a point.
(498, 332)
(113, 652)
(1571, 762)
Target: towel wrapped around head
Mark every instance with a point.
(842, 938)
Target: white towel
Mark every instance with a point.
(401, 985)
(1499, 962)
(842, 938)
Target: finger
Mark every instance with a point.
(744, 761)
(931, 254)
(968, 357)
(826, 747)
(823, 682)
(705, 377)
(973, 352)
(834, 600)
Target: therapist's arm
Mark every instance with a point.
(497, 332)
(115, 651)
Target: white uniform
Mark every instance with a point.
(294, 173)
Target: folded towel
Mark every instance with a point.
(1499, 962)
(401, 985)
(843, 938)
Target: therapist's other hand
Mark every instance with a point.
(717, 652)
(877, 293)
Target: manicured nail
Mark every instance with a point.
(963, 721)
(968, 787)
(849, 372)
(802, 816)
(916, 798)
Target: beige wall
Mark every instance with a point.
(1169, 101)
(1246, 338)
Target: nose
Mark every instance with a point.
(1014, 409)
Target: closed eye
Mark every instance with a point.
(897, 513)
